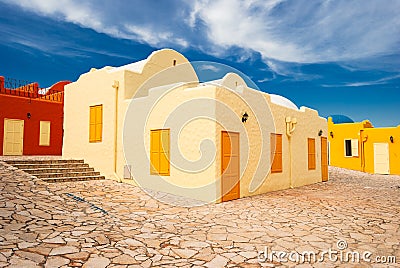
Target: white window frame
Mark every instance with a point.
(354, 148)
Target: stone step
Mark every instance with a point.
(36, 171)
(42, 166)
(67, 174)
(70, 179)
(57, 170)
(54, 161)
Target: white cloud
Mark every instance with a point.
(381, 81)
(151, 36)
(293, 31)
(209, 67)
(72, 11)
(235, 23)
(276, 68)
(303, 31)
(89, 14)
(264, 80)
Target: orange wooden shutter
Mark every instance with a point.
(276, 153)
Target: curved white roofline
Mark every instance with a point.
(138, 66)
(282, 101)
(227, 80)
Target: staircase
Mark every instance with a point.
(57, 170)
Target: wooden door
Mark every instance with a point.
(381, 158)
(324, 158)
(230, 166)
(13, 137)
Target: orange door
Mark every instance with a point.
(324, 158)
(230, 168)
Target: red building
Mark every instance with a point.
(31, 118)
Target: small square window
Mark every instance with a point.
(347, 144)
(351, 147)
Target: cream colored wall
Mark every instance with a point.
(255, 139)
(253, 145)
(158, 71)
(93, 88)
(308, 125)
(188, 112)
(217, 107)
(96, 87)
(134, 90)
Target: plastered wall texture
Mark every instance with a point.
(155, 94)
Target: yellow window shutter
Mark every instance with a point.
(92, 133)
(44, 138)
(164, 164)
(159, 152)
(92, 124)
(96, 123)
(164, 152)
(92, 114)
(99, 122)
(154, 151)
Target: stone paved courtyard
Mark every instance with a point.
(65, 224)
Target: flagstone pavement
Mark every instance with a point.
(110, 224)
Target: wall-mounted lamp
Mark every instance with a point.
(320, 132)
(331, 133)
(28, 115)
(391, 139)
(290, 125)
(244, 117)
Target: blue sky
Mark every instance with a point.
(339, 57)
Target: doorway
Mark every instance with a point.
(381, 158)
(324, 158)
(13, 137)
(230, 166)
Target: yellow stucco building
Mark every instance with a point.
(153, 124)
(360, 146)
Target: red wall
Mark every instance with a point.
(14, 107)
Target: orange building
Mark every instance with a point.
(360, 146)
(31, 118)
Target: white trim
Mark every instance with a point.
(354, 147)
